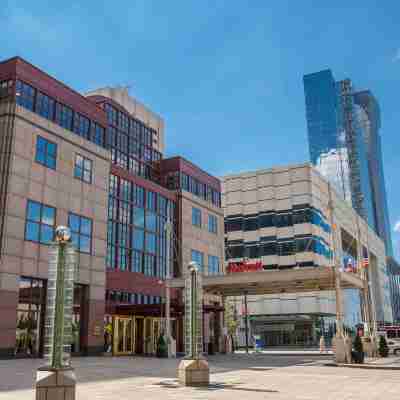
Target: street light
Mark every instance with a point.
(160, 282)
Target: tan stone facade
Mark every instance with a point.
(199, 238)
(24, 180)
(283, 192)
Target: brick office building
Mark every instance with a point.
(54, 171)
(95, 163)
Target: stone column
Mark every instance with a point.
(8, 312)
(93, 329)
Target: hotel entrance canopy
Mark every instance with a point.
(273, 282)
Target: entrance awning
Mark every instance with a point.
(273, 282)
(156, 310)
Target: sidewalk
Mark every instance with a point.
(287, 352)
(390, 363)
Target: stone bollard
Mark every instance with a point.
(55, 384)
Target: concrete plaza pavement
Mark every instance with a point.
(253, 376)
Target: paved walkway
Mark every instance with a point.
(254, 376)
(390, 363)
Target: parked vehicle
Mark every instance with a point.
(394, 346)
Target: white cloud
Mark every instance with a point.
(397, 227)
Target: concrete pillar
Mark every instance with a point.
(8, 312)
(93, 320)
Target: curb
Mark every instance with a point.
(288, 354)
(365, 366)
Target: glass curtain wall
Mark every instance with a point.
(137, 240)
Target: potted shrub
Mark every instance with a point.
(358, 350)
(162, 350)
(383, 347)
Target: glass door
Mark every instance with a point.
(123, 335)
(156, 331)
(148, 344)
(139, 335)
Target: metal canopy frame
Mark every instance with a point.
(274, 282)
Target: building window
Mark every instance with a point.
(83, 169)
(285, 248)
(25, 95)
(213, 265)
(196, 217)
(81, 232)
(198, 257)
(250, 224)
(81, 125)
(212, 224)
(233, 225)
(64, 116)
(40, 222)
(46, 152)
(45, 106)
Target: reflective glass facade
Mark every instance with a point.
(183, 181)
(131, 143)
(137, 239)
(370, 120)
(272, 245)
(34, 100)
(336, 139)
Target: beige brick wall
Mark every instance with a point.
(57, 188)
(201, 239)
(280, 189)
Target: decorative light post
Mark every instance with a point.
(57, 378)
(193, 369)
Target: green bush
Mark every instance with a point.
(358, 346)
(383, 347)
(358, 354)
(162, 349)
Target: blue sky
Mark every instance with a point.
(225, 75)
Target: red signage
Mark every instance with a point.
(243, 266)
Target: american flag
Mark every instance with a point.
(365, 261)
(350, 265)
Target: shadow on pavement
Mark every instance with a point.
(20, 374)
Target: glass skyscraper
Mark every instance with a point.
(345, 146)
(370, 120)
(340, 141)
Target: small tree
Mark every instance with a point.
(231, 319)
(383, 347)
(358, 349)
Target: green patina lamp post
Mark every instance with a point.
(57, 379)
(193, 369)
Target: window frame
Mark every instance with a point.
(213, 226)
(47, 155)
(83, 169)
(80, 232)
(40, 222)
(196, 217)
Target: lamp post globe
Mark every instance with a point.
(193, 267)
(62, 234)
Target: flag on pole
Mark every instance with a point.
(365, 261)
(349, 266)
